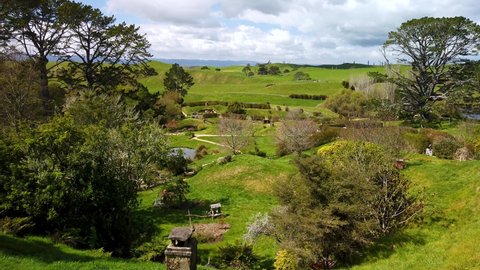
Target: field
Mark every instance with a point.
(444, 237)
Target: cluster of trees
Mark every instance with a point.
(339, 203)
(74, 155)
(97, 52)
(263, 69)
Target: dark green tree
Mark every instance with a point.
(327, 213)
(274, 70)
(177, 80)
(262, 69)
(39, 28)
(102, 54)
(246, 69)
(429, 45)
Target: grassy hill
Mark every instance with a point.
(231, 84)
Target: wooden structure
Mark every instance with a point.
(181, 254)
(215, 210)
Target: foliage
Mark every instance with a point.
(445, 148)
(70, 182)
(347, 103)
(301, 76)
(340, 202)
(429, 45)
(259, 225)
(102, 55)
(306, 96)
(328, 218)
(19, 90)
(236, 133)
(17, 226)
(274, 70)
(177, 80)
(295, 134)
(236, 256)
(247, 70)
(236, 108)
(151, 251)
(40, 28)
(285, 261)
(262, 69)
(174, 192)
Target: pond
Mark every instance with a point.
(472, 116)
(188, 153)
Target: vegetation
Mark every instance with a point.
(429, 45)
(101, 175)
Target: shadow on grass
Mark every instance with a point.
(37, 250)
(387, 246)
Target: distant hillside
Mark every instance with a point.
(214, 63)
(340, 66)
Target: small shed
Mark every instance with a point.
(215, 210)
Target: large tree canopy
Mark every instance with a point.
(102, 54)
(429, 45)
(177, 80)
(39, 28)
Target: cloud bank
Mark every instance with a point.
(295, 31)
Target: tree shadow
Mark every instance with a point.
(38, 250)
(387, 246)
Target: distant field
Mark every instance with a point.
(231, 84)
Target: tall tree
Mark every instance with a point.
(19, 93)
(429, 45)
(102, 54)
(236, 133)
(295, 134)
(177, 80)
(40, 30)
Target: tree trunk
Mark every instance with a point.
(44, 93)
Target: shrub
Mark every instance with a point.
(17, 226)
(445, 148)
(306, 96)
(151, 251)
(236, 108)
(348, 104)
(285, 261)
(236, 256)
(201, 151)
(174, 192)
(326, 135)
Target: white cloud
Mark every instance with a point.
(301, 31)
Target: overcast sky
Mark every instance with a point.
(293, 31)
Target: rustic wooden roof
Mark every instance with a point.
(215, 205)
(181, 234)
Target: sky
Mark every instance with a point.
(291, 31)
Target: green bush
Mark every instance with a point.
(445, 148)
(236, 256)
(285, 261)
(151, 251)
(325, 135)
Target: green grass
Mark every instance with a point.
(231, 84)
(33, 253)
(243, 186)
